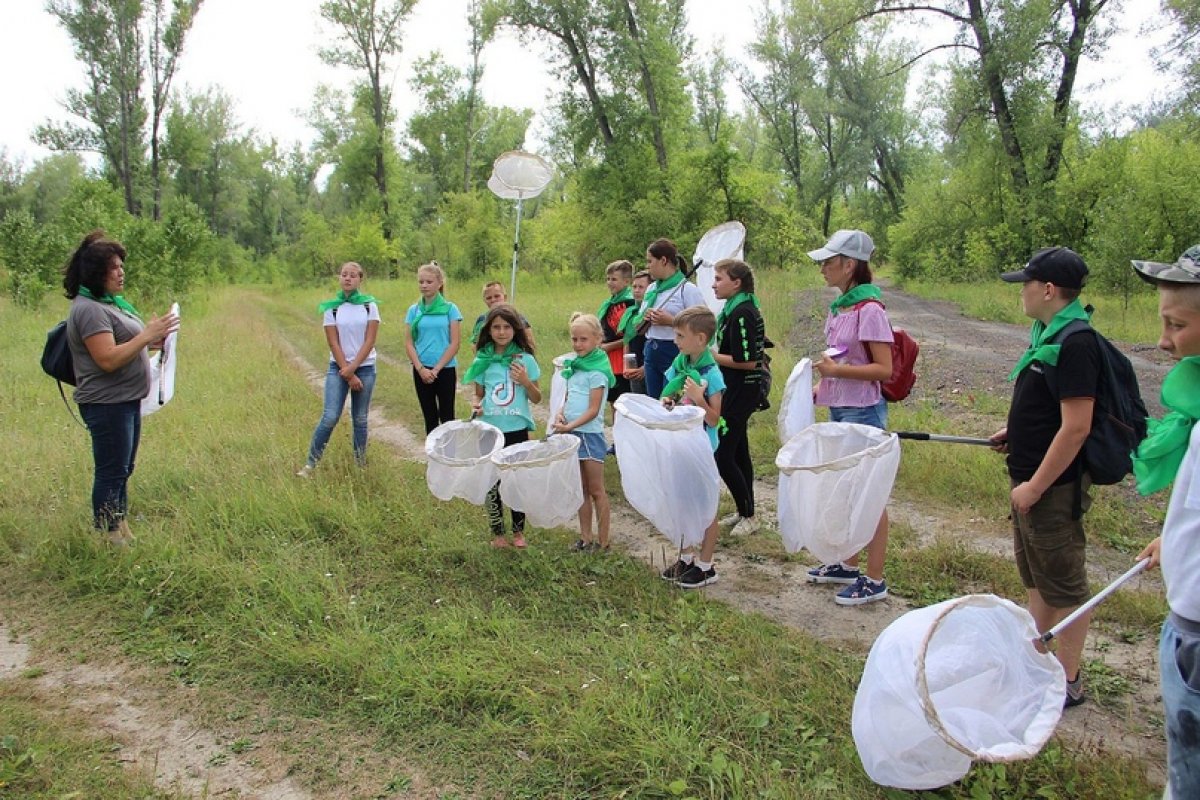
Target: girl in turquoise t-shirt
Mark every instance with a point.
(433, 328)
(588, 377)
(505, 377)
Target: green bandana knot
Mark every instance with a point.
(487, 356)
(652, 295)
(112, 300)
(595, 361)
(355, 298)
(1158, 457)
(623, 296)
(1041, 334)
(864, 291)
(438, 307)
(685, 368)
(730, 305)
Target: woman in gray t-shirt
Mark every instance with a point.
(109, 342)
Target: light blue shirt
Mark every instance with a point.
(579, 398)
(433, 335)
(716, 383)
(505, 402)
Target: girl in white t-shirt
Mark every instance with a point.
(588, 377)
(505, 376)
(351, 321)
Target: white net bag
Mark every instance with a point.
(542, 479)
(558, 390)
(952, 683)
(459, 460)
(796, 411)
(834, 482)
(668, 472)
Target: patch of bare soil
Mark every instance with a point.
(160, 730)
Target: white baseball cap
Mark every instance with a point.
(854, 244)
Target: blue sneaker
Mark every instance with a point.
(833, 573)
(864, 590)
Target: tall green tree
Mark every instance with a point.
(371, 33)
(118, 46)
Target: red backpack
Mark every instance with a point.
(904, 358)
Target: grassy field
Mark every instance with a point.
(357, 598)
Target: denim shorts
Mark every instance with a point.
(592, 446)
(876, 416)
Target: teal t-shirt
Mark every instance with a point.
(579, 397)
(716, 383)
(505, 402)
(433, 334)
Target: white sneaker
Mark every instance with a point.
(745, 526)
(729, 520)
(305, 472)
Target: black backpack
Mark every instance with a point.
(1119, 417)
(56, 356)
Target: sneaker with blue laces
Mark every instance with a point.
(833, 573)
(864, 590)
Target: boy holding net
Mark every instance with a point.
(1171, 454)
(694, 379)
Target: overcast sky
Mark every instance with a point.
(264, 54)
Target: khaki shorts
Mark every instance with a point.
(1050, 547)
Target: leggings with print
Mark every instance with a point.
(495, 508)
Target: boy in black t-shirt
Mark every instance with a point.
(1043, 440)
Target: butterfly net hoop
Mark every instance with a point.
(834, 482)
(541, 479)
(459, 460)
(726, 240)
(954, 683)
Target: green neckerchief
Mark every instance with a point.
(113, 300)
(626, 327)
(438, 308)
(1161, 452)
(1041, 333)
(730, 305)
(864, 291)
(595, 361)
(653, 293)
(685, 368)
(623, 296)
(355, 297)
(487, 356)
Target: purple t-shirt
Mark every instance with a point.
(851, 330)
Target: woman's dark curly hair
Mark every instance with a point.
(90, 263)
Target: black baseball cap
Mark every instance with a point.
(1061, 266)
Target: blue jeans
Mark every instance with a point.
(116, 429)
(1179, 672)
(659, 354)
(336, 389)
(875, 416)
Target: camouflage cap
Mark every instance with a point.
(1186, 268)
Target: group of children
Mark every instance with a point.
(712, 362)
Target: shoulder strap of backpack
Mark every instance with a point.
(1107, 375)
(70, 410)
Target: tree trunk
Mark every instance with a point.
(660, 147)
(989, 70)
(585, 71)
(381, 180)
(1082, 12)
